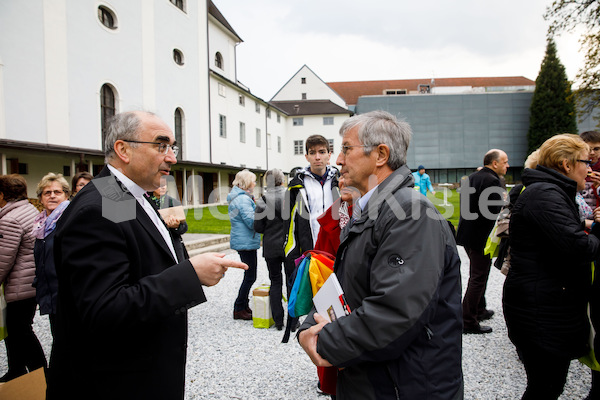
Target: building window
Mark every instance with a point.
(303, 96)
(327, 120)
(278, 118)
(178, 57)
(258, 138)
(330, 145)
(303, 81)
(269, 141)
(218, 60)
(298, 121)
(222, 126)
(268, 113)
(179, 4)
(298, 147)
(107, 107)
(242, 100)
(424, 89)
(221, 90)
(394, 92)
(178, 124)
(107, 17)
(257, 107)
(242, 132)
(279, 144)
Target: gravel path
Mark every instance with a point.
(229, 359)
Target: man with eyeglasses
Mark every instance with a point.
(400, 271)
(123, 290)
(592, 182)
(310, 193)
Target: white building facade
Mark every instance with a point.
(67, 65)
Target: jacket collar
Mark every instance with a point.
(543, 174)
(122, 193)
(488, 170)
(400, 178)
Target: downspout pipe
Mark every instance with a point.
(267, 136)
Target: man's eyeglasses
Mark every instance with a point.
(163, 148)
(345, 147)
(586, 162)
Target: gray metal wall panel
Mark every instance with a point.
(455, 131)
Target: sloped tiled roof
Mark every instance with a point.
(351, 91)
(214, 11)
(309, 107)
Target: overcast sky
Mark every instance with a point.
(354, 40)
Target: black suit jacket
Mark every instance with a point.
(473, 233)
(121, 324)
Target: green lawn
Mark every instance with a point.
(451, 212)
(214, 219)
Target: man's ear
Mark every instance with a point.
(383, 155)
(565, 165)
(123, 151)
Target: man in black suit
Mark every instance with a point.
(477, 219)
(124, 287)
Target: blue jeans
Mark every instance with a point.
(247, 257)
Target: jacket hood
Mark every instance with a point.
(235, 192)
(543, 174)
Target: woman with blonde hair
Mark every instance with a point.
(548, 285)
(243, 237)
(53, 192)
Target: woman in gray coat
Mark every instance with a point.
(17, 270)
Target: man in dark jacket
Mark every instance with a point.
(400, 271)
(268, 221)
(123, 292)
(481, 200)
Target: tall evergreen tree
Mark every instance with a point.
(552, 108)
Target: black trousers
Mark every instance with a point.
(274, 265)
(23, 348)
(474, 301)
(546, 373)
(247, 257)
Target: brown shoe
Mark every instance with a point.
(242, 315)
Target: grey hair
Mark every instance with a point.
(123, 126)
(274, 177)
(381, 127)
(244, 179)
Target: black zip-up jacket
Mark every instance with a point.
(548, 285)
(269, 222)
(473, 233)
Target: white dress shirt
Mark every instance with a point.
(139, 195)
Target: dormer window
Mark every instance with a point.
(179, 4)
(424, 89)
(178, 57)
(107, 17)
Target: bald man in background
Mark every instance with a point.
(484, 191)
